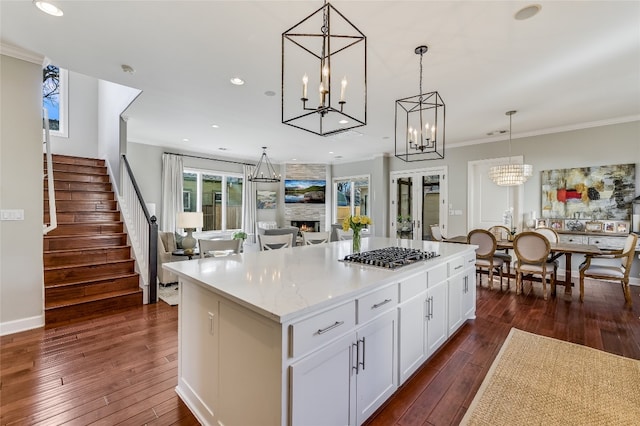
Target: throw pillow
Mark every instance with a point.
(179, 239)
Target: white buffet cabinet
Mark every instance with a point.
(295, 337)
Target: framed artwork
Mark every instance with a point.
(609, 226)
(304, 191)
(556, 224)
(541, 223)
(593, 226)
(596, 192)
(622, 227)
(266, 200)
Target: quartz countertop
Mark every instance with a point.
(287, 283)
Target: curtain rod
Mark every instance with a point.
(212, 159)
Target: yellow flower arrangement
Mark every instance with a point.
(355, 222)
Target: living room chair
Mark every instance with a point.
(501, 233)
(532, 252)
(607, 272)
(311, 238)
(214, 248)
(275, 242)
(166, 246)
(485, 258)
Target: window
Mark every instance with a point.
(351, 197)
(54, 99)
(217, 195)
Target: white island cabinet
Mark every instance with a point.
(296, 337)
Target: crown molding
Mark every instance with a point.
(20, 53)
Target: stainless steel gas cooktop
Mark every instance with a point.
(390, 257)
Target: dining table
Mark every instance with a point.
(557, 249)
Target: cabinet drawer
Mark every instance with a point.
(322, 328)
(470, 260)
(437, 275)
(376, 303)
(572, 239)
(456, 265)
(613, 243)
(413, 286)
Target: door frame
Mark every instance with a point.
(442, 171)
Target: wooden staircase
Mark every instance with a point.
(88, 268)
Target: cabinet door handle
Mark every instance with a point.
(427, 304)
(357, 345)
(331, 327)
(458, 267)
(363, 352)
(384, 302)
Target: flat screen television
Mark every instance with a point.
(305, 191)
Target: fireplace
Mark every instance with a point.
(307, 225)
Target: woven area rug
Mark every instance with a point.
(169, 294)
(537, 380)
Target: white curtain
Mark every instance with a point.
(249, 205)
(171, 191)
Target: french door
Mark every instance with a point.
(418, 200)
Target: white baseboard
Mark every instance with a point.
(24, 324)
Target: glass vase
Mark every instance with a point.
(356, 241)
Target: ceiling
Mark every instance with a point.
(573, 65)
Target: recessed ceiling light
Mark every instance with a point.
(185, 140)
(330, 152)
(294, 159)
(343, 121)
(270, 93)
(237, 81)
(127, 68)
(215, 126)
(528, 12)
(48, 8)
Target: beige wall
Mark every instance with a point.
(21, 270)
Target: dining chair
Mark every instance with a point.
(501, 232)
(311, 238)
(275, 242)
(436, 234)
(485, 258)
(609, 272)
(532, 251)
(344, 235)
(213, 248)
(553, 238)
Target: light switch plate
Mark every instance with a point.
(15, 214)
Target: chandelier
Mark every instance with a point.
(324, 51)
(420, 124)
(511, 174)
(264, 171)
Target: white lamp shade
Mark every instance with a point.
(189, 220)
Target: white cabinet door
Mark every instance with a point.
(469, 289)
(437, 307)
(322, 386)
(412, 328)
(199, 346)
(376, 364)
(456, 286)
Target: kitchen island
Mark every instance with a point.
(297, 337)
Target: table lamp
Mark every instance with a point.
(189, 221)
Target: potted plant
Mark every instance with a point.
(240, 235)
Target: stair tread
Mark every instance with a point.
(91, 280)
(84, 249)
(83, 265)
(87, 299)
(109, 235)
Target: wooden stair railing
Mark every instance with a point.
(88, 267)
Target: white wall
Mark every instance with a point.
(21, 267)
(82, 122)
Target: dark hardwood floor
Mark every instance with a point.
(122, 369)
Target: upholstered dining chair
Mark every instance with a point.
(344, 235)
(551, 234)
(532, 252)
(311, 238)
(436, 233)
(502, 233)
(208, 248)
(485, 258)
(609, 272)
(274, 242)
